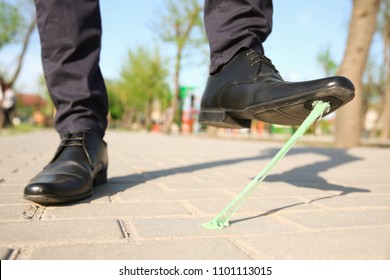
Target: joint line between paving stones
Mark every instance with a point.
(189, 207)
(34, 213)
(21, 253)
(287, 222)
(128, 230)
(12, 253)
(250, 253)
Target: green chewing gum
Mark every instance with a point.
(222, 219)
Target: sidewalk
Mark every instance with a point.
(317, 203)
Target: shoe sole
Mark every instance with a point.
(48, 199)
(287, 112)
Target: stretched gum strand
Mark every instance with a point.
(222, 219)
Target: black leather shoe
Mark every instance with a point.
(79, 164)
(249, 87)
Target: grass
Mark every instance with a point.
(20, 128)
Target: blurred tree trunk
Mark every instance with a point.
(26, 41)
(177, 27)
(385, 30)
(385, 116)
(349, 119)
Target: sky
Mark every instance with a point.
(301, 30)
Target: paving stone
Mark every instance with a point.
(12, 199)
(189, 249)
(6, 253)
(340, 219)
(181, 227)
(112, 210)
(14, 212)
(177, 195)
(287, 189)
(357, 201)
(352, 244)
(6, 188)
(318, 203)
(60, 232)
(254, 205)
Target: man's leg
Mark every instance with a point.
(70, 32)
(243, 84)
(236, 24)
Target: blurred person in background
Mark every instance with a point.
(7, 103)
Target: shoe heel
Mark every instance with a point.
(100, 179)
(222, 119)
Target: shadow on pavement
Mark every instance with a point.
(306, 176)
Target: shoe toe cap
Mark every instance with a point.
(340, 81)
(36, 189)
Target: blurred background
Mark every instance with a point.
(155, 75)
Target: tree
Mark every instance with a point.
(116, 107)
(327, 63)
(384, 29)
(373, 88)
(142, 81)
(178, 26)
(48, 110)
(361, 30)
(11, 22)
(25, 43)
(13, 27)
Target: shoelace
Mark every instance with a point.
(76, 139)
(73, 139)
(257, 58)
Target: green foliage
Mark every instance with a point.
(24, 127)
(376, 71)
(142, 80)
(48, 110)
(179, 21)
(327, 63)
(383, 24)
(117, 109)
(11, 23)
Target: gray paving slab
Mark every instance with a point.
(318, 203)
(112, 210)
(351, 244)
(195, 249)
(60, 232)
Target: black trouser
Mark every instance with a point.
(70, 32)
